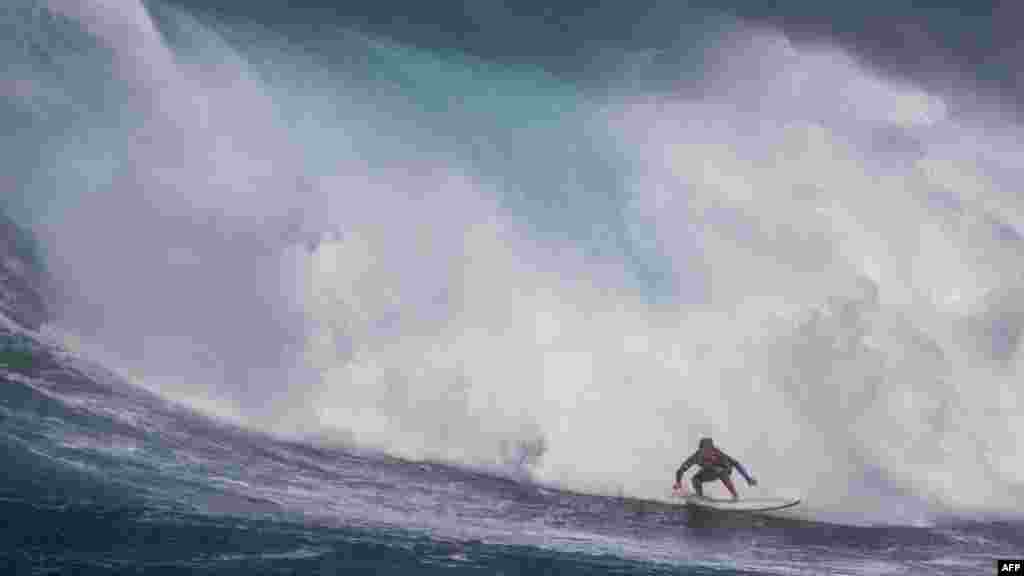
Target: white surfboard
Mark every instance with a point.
(742, 505)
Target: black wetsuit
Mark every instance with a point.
(717, 465)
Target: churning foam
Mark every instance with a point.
(840, 250)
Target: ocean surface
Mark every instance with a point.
(380, 289)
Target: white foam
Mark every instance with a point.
(844, 333)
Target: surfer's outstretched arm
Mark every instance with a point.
(685, 466)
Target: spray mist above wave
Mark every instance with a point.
(866, 243)
(844, 304)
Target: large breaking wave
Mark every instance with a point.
(446, 258)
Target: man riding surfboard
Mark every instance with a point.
(714, 465)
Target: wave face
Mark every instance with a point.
(345, 238)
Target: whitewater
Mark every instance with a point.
(299, 296)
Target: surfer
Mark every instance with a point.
(714, 465)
